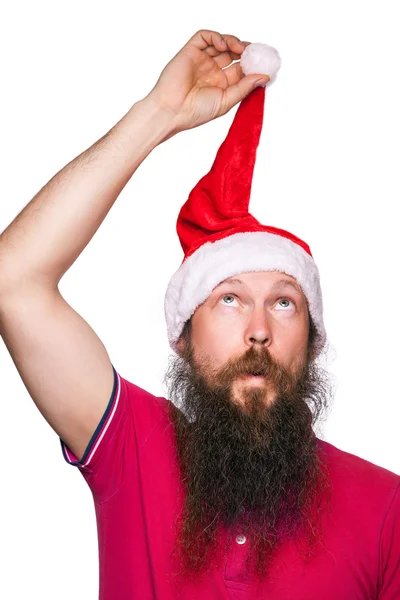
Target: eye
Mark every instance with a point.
(287, 301)
(228, 296)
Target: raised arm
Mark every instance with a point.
(62, 362)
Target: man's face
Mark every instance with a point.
(263, 310)
(246, 448)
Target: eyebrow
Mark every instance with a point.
(279, 283)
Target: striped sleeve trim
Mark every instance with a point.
(106, 420)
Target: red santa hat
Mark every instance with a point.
(219, 236)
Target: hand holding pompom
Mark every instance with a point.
(200, 83)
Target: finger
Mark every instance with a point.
(224, 59)
(221, 42)
(238, 91)
(211, 51)
(234, 44)
(207, 37)
(233, 74)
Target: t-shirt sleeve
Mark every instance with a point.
(131, 415)
(389, 552)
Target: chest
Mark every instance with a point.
(138, 531)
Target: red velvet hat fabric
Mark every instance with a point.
(218, 206)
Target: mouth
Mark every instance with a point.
(254, 375)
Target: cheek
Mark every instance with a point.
(295, 348)
(290, 340)
(217, 340)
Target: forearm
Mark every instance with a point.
(49, 234)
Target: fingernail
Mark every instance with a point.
(260, 83)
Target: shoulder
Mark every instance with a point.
(145, 408)
(359, 474)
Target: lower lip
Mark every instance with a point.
(255, 377)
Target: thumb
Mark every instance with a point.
(238, 92)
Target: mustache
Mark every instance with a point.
(254, 361)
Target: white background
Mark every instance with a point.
(327, 170)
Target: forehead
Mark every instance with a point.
(265, 279)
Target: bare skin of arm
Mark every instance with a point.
(62, 362)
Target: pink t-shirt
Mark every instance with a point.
(131, 468)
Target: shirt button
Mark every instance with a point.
(240, 539)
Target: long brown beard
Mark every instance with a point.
(254, 463)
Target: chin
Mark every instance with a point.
(239, 389)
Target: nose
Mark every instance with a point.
(258, 331)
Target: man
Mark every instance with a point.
(224, 490)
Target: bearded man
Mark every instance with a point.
(223, 491)
(244, 425)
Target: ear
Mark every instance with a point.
(180, 344)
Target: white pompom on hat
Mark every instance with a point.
(262, 59)
(218, 235)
